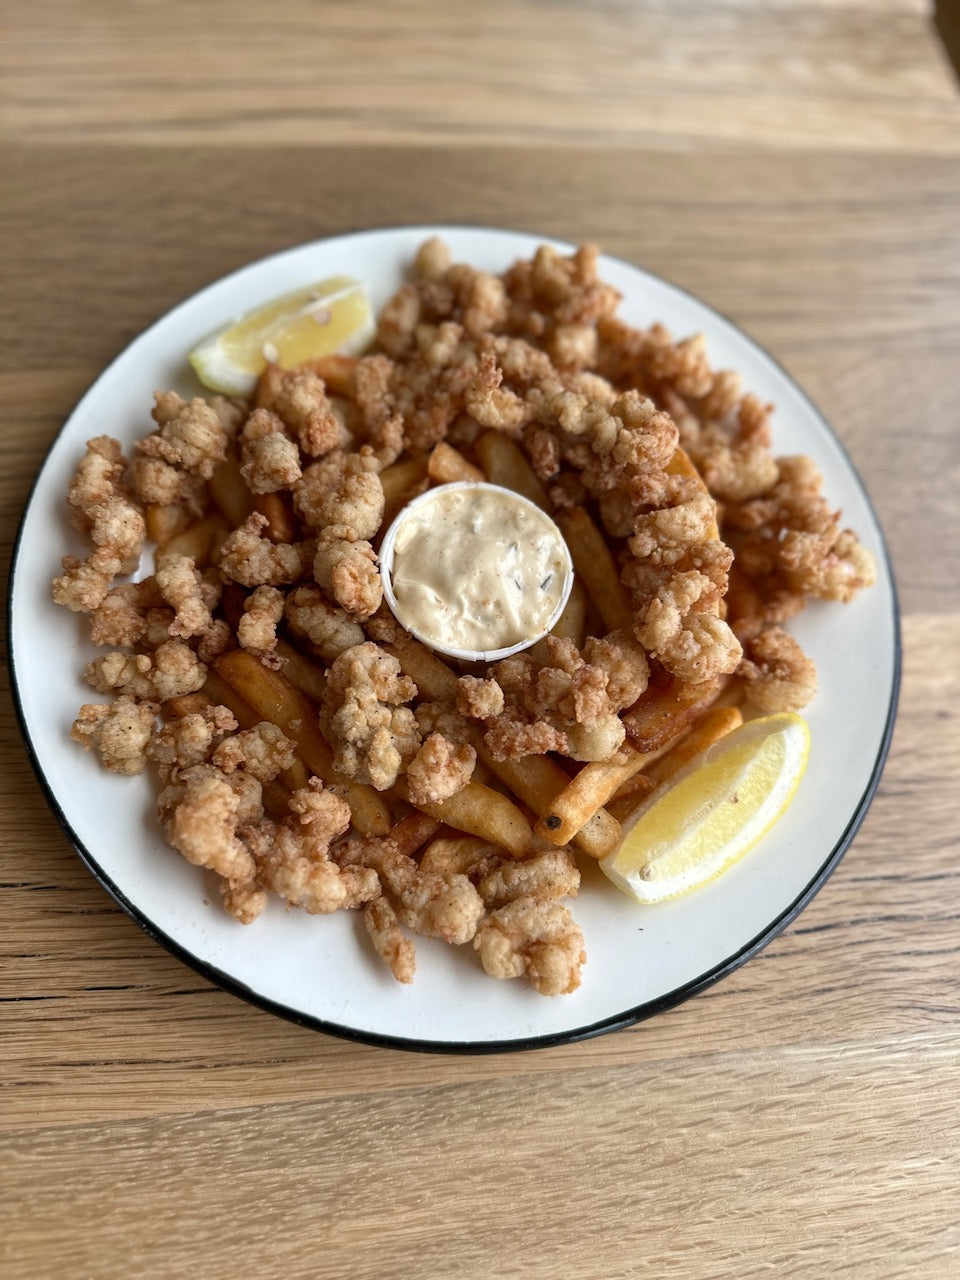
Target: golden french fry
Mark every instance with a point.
(276, 699)
(572, 623)
(401, 477)
(278, 510)
(596, 567)
(505, 463)
(412, 832)
(454, 855)
(433, 678)
(223, 694)
(198, 541)
(337, 371)
(537, 780)
(586, 793)
(306, 675)
(447, 465)
(631, 796)
(481, 811)
(666, 709)
(713, 725)
(165, 520)
(229, 491)
(184, 704)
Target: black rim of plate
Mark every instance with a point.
(616, 1022)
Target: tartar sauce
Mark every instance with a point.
(474, 568)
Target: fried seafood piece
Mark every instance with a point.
(373, 733)
(201, 812)
(440, 769)
(269, 459)
(427, 902)
(677, 628)
(118, 731)
(778, 674)
(173, 463)
(561, 704)
(188, 740)
(253, 560)
(792, 531)
(346, 568)
(550, 874)
(624, 661)
(330, 629)
(533, 938)
(389, 940)
(480, 698)
(121, 616)
(352, 496)
(262, 751)
(182, 587)
(733, 470)
(102, 508)
(300, 399)
(292, 856)
(551, 294)
(257, 629)
(171, 671)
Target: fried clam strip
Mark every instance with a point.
(276, 699)
(535, 779)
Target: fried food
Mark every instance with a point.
(307, 746)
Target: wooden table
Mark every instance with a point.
(797, 165)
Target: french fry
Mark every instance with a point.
(338, 372)
(412, 832)
(278, 510)
(229, 491)
(666, 709)
(304, 674)
(447, 465)
(481, 811)
(454, 855)
(537, 781)
(623, 806)
(570, 625)
(199, 540)
(506, 464)
(433, 678)
(596, 567)
(401, 477)
(165, 520)
(713, 725)
(276, 699)
(681, 465)
(585, 794)
(184, 704)
(223, 694)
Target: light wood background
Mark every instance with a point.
(796, 163)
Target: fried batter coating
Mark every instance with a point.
(346, 567)
(550, 874)
(353, 498)
(389, 941)
(269, 459)
(181, 586)
(263, 752)
(624, 661)
(325, 626)
(479, 698)
(300, 400)
(190, 434)
(172, 671)
(440, 769)
(118, 731)
(252, 560)
(120, 618)
(373, 733)
(778, 674)
(201, 812)
(535, 939)
(188, 740)
(262, 612)
(561, 704)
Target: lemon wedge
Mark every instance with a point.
(332, 315)
(712, 811)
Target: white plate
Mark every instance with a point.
(320, 971)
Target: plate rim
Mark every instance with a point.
(614, 1022)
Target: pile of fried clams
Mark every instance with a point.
(599, 410)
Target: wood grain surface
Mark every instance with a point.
(793, 164)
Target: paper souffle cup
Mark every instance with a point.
(451, 651)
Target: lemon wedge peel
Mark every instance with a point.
(712, 811)
(333, 315)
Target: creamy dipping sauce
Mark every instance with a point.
(473, 568)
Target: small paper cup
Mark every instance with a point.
(451, 651)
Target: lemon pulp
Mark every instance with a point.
(333, 315)
(713, 811)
